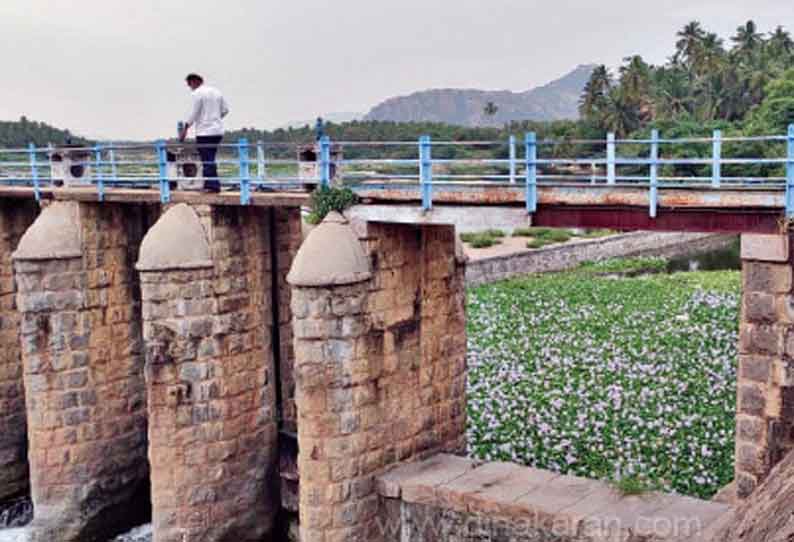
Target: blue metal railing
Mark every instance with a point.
(110, 166)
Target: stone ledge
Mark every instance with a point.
(765, 248)
(562, 505)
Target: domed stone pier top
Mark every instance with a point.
(176, 242)
(330, 256)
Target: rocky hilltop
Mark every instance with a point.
(553, 101)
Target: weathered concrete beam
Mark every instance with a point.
(83, 369)
(465, 218)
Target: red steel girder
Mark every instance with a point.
(627, 219)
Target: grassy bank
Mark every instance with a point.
(628, 379)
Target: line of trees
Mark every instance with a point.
(18, 134)
(704, 81)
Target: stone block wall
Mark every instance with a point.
(765, 416)
(211, 376)
(83, 368)
(380, 367)
(417, 304)
(15, 218)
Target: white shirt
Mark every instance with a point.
(209, 107)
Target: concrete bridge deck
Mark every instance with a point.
(619, 207)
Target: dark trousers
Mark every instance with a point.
(207, 149)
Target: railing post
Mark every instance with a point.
(34, 171)
(593, 172)
(100, 181)
(114, 172)
(611, 175)
(50, 151)
(716, 159)
(245, 178)
(426, 172)
(790, 173)
(512, 159)
(531, 156)
(325, 160)
(654, 195)
(260, 161)
(162, 162)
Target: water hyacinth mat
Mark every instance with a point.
(630, 378)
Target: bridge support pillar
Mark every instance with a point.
(15, 218)
(83, 369)
(380, 365)
(206, 288)
(765, 409)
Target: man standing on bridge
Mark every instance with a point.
(209, 108)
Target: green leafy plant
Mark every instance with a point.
(536, 243)
(556, 236)
(632, 486)
(625, 266)
(326, 199)
(483, 241)
(595, 234)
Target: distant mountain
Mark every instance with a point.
(336, 118)
(554, 101)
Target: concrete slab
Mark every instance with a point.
(492, 488)
(465, 218)
(765, 248)
(629, 516)
(543, 504)
(686, 518)
(417, 482)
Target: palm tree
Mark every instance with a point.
(688, 44)
(671, 92)
(748, 41)
(711, 54)
(621, 115)
(594, 97)
(780, 42)
(635, 82)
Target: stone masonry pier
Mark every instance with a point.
(83, 366)
(210, 373)
(380, 347)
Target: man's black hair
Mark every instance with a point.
(194, 77)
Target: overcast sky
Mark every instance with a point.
(115, 68)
